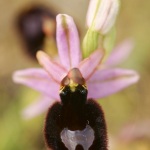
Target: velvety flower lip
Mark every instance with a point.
(100, 82)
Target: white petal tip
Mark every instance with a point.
(40, 54)
(17, 77)
(28, 114)
(136, 77)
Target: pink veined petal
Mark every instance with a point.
(39, 80)
(90, 64)
(68, 41)
(106, 82)
(55, 70)
(38, 107)
(120, 53)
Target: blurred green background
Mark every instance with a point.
(130, 107)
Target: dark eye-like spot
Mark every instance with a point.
(83, 91)
(63, 93)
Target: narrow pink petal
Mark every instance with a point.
(120, 53)
(55, 70)
(68, 41)
(38, 107)
(90, 64)
(39, 80)
(109, 81)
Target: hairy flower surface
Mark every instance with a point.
(102, 78)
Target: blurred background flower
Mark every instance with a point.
(32, 24)
(130, 105)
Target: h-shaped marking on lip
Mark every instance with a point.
(83, 137)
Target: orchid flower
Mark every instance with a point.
(101, 82)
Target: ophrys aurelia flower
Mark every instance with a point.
(101, 81)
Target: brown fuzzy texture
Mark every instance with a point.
(74, 113)
(54, 125)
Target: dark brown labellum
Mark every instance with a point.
(75, 119)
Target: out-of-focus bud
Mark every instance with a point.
(102, 14)
(101, 17)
